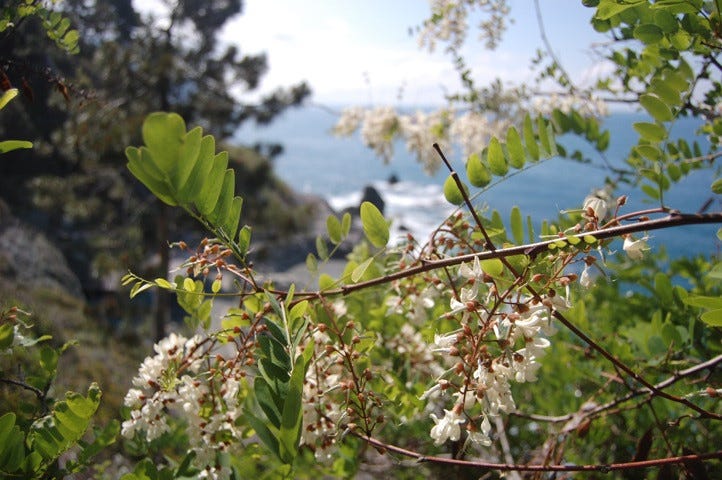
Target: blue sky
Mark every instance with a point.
(360, 52)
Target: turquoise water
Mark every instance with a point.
(315, 161)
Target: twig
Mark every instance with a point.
(532, 249)
(540, 468)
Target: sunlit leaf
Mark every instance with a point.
(374, 224)
(514, 146)
(651, 132)
(476, 171)
(529, 139)
(495, 157)
(10, 145)
(517, 225)
(451, 191)
(656, 107)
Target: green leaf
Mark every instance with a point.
(704, 301)
(656, 107)
(517, 225)
(374, 225)
(321, 248)
(264, 433)
(265, 398)
(163, 134)
(211, 190)
(451, 191)
(298, 310)
(713, 318)
(544, 137)
(290, 431)
(663, 288)
(10, 145)
(514, 146)
(651, 152)
(7, 96)
(665, 90)
(495, 157)
(651, 132)
(529, 139)
(359, 271)
(333, 227)
(492, 266)
(648, 33)
(141, 165)
(476, 171)
(652, 192)
(609, 9)
(7, 334)
(311, 263)
(193, 187)
(244, 239)
(7, 422)
(221, 213)
(717, 186)
(188, 157)
(326, 281)
(346, 224)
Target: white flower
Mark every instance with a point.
(421, 131)
(586, 280)
(597, 205)
(446, 428)
(635, 248)
(349, 121)
(525, 366)
(474, 272)
(466, 296)
(443, 343)
(380, 126)
(481, 438)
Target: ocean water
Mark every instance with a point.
(315, 161)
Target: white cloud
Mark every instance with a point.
(360, 52)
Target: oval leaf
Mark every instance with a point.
(651, 132)
(476, 172)
(495, 157)
(656, 107)
(374, 224)
(451, 191)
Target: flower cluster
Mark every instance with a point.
(473, 131)
(585, 105)
(481, 377)
(381, 126)
(175, 382)
(448, 23)
(320, 414)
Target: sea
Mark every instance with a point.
(338, 169)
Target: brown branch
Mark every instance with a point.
(709, 364)
(674, 219)
(38, 393)
(539, 468)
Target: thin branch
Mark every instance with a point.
(540, 468)
(593, 412)
(672, 220)
(38, 393)
(550, 50)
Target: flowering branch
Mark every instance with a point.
(674, 219)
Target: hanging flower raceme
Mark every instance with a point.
(177, 382)
(481, 383)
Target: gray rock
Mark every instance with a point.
(28, 258)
